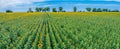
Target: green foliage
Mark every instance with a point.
(60, 9)
(101, 10)
(88, 9)
(9, 11)
(94, 10)
(38, 9)
(46, 9)
(54, 10)
(75, 9)
(30, 10)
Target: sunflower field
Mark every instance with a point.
(60, 30)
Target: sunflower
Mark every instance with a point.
(82, 48)
(40, 34)
(39, 45)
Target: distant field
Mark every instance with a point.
(69, 30)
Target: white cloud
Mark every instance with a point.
(5, 3)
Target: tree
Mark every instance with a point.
(63, 11)
(88, 9)
(37, 9)
(40, 9)
(48, 9)
(60, 9)
(104, 10)
(75, 9)
(80, 11)
(54, 10)
(94, 10)
(9, 11)
(30, 10)
(99, 10)
(43, 10)
(115, 10)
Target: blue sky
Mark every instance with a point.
(23, 5)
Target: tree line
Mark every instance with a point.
(60, 9)
(46, 9)
(100, 10)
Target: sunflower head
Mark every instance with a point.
(40, 34)
(39, 45)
